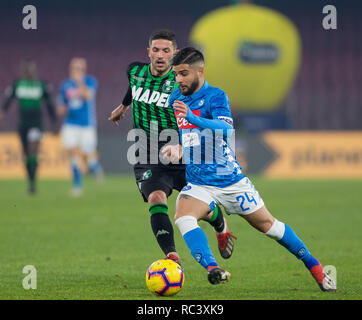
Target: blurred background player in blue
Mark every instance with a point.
(77, 102)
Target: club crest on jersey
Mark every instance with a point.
(182, 123)
(168, 86)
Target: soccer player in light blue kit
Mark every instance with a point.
(76, 101)
(213, 174)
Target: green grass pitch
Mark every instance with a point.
(99, 246)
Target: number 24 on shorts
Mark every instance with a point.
(245, 197)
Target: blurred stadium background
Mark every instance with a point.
(322, 73)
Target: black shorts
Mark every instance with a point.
(29, 134)
(150, 178)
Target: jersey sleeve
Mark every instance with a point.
(62, 97)
(220, 107)
(131, 66)
(127, 99)
(92, 85)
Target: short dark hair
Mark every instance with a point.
(163, 34)
(188, 55)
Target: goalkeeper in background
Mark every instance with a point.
(30, 92)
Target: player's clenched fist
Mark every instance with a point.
(181, 107)
(172, 153)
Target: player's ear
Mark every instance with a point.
(148, 51)
(200, 70)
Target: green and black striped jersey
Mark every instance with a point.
(30, 94)
(148, 95)
(150, 98)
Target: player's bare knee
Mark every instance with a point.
(157, 196)
(73, 152)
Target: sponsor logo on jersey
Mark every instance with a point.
(29, 92)
(160, 99)
(182, 123)
(72, 93)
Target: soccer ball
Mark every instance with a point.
(165, 277)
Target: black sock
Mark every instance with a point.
(162, 227)
(31, 166)
(217, 220)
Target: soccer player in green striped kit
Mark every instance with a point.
(150, 85)
(30, 92)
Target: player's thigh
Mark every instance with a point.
(23, 132)
(194, 200)
(150, 179)
(34, 137)
(260, 219)
(30, 139)
(88, 140)
(70, 136)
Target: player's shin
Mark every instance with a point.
(162, 227)
(285, 236)
(95, 168)
(196, 241)
(31, 165)
(76, 172)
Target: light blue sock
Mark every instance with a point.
(296, 246)
(77, 177)
(196, 240)
(94, 166)
(198, 244)
(76, 172)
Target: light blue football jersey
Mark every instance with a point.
(81, 112)
(208, 155)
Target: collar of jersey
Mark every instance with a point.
(155, 77)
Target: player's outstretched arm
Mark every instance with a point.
(118, 114)
(61, 110)
(202, 123)
(9, 96)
